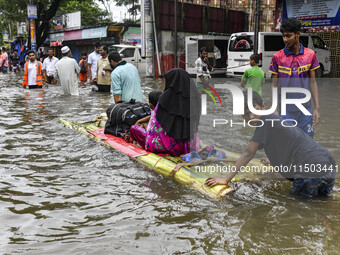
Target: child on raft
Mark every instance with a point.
(153, 100)
(312, 168)
(174, 122)
(137, 131)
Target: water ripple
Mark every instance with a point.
(62, 193)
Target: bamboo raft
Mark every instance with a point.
(168, 166)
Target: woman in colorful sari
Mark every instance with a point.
(174, 123)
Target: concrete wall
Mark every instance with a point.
(166, 46)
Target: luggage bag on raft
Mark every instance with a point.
(122, 115)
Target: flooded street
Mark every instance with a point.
(62, 193)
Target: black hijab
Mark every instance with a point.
(179, 106)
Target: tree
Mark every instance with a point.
(16, 11)
(46, 9)
(9, 14)
(132, 6)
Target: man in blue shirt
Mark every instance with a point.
(125, 80)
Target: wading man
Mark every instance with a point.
(104, 70)
(92, 63)
(67, 70)
(4, 60)
(15, 60)
(48, 67)
(32, 72)
(125, 80)
(309, 166)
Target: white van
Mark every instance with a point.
(240, 48)
(131, 54)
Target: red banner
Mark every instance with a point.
(32, 32)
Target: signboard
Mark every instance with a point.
(21, 28)
(58, 22)
(98, 32)
(56, 43)
(56, 36)
(133, 34)
(314, 13)
(32, 35)
(32, 32)
(72, 35)
(72, 20)
(5, 36)
(32, 11)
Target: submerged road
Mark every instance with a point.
(62, 193)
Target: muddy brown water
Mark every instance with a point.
(62, 193)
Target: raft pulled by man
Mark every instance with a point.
(164, 135)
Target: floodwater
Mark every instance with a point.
(62, 193)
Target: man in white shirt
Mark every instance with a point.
(203, 68)
(48, 67)
(92, 63)
(67, 70)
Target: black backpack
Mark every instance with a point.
(82, 67)
(122, 115)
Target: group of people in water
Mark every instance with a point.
(172, 127)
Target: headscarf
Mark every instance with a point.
(179, 106)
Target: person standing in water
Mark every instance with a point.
(67, 70)
(33, 77)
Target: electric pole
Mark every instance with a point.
(32, 17)
(257, 15)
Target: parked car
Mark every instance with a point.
(131, 54)
(241, 47)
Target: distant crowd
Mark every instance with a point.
(105, 72)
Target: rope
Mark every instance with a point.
(157, 162)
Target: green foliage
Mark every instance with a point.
(134, 6)
(13, 11)
(131, 22)
(91, 14)
(10, 13)
(16, 11)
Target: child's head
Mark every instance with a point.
(84, 55)
(153, 98)
(257, 103)
(254, 60)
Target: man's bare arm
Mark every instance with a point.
(117, 98)
(275, 82)
(315, 94)
(243, 84)
(44, 75)
(247, 155)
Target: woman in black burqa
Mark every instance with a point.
(174, 123)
